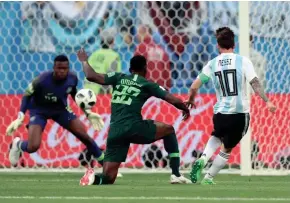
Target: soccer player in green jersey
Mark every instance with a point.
(127, 126)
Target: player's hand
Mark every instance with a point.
(82, 55)
(186, 115)
(190, 104)
(15, 124)
(95, 119)
(272, 108)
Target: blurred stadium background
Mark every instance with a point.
(178, 39)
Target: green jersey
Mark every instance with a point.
(130, 92)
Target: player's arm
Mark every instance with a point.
(74, 89)
(202, 78)
(258, 88)
(251, 76)
(27, 95)
(90, 74)
(178, 103)
(160, 92)
(193, 91)
(14, 125)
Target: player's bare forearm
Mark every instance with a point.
(193, 90)
(91, 75)
(178, 103)
(192, 94)
(258, 89)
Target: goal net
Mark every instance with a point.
(178, 39)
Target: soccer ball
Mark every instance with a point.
(85, 98)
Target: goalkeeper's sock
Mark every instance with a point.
(95, 151)
(218, 164)
(23, 145)
(101, 179)
(212, 144)
(171, 147)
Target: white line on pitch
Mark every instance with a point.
(76, 180)
(147, 198)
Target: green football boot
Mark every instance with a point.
(207, 182)
(195, 174)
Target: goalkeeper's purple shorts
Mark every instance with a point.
(63, 118)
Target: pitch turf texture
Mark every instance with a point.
(133, 188)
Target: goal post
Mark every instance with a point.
(263, 37)
(244, 50)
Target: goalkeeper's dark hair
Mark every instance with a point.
(138, 63)
(61, 58)
(225, 38)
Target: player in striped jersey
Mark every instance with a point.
(229, 73)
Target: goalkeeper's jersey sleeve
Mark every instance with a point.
(130, 92)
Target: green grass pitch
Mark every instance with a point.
(133, 188)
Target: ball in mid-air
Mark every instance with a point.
(85, 98)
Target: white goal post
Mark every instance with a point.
(247, 28)
(244, 44)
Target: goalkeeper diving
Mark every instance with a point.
(127, 126)
(46, 98)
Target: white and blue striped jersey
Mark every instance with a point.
(229, 73)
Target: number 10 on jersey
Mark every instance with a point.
(228, 82)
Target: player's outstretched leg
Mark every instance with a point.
(211, 146)
(218, 164)
(31, 145)
(77, 128)
(167, 133)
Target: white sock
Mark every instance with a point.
(218, 164)
(212, 145)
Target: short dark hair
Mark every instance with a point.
(61, 58)
(225, 38)
(138, 63)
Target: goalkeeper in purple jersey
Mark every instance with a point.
(46, 98)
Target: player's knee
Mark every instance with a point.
(170, 129)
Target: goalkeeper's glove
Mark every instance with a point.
(95, 119)
(15, 124)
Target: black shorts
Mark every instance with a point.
(230, 128)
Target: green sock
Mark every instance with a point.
(171, 147)
(174, 164)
